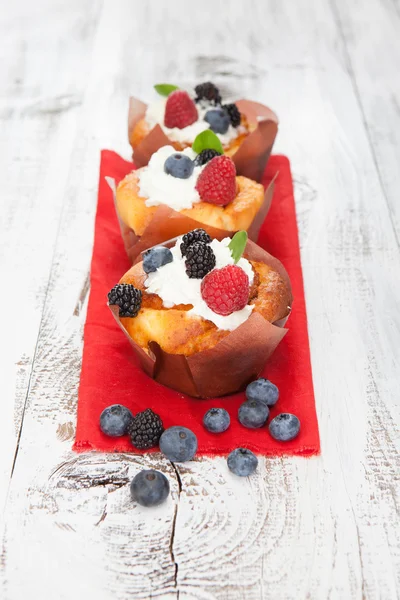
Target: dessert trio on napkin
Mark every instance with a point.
(203, 306)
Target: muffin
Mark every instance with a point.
(180, 191)
(177, 117)
(201, 316)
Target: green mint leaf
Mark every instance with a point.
(237, 245)
(207, 140)
(164, 89)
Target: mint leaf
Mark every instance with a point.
(207, 140)
(237, 245)
(164, 89)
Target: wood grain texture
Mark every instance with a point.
(327, 527)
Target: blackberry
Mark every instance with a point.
(145, 430)
(207, 91)
(205, 156)
(127, 297)
(234, 114)
(200, 260)
(197, 235)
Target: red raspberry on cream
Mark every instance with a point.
(217, 182)
(226, 290)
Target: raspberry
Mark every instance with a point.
(180, 110)
(226, 290)
(145, 429)
(197, 235)
(200, 259)
(207, 91)
(205, 156)
(217, 182)
(127, 297)
(234, 114)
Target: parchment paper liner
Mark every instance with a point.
(168, 223)
(250, 158)
(230, 365)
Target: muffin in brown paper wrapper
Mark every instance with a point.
(252, 154)
(168, 223)
(232, 363)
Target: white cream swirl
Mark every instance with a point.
(172, 284)
(160, 188)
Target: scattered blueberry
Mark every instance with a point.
(178, 444)
(149, 488)
(216, 420)
(156, 257)
(284, 427)
(263, 390)
(253, 414)
(218, 119)
(179, 165)
(242, 462)
(114, 420)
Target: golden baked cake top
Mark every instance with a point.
(189, 297)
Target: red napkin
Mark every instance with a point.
(110, 373)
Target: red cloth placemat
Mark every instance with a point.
(110, 373)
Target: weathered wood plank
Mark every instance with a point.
(326, 527)
(373, 61)
(42, 87)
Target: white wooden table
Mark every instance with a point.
(321, 528)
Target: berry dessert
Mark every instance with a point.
(245, 130)
(182, 115)
(205, 324)
(177, 191)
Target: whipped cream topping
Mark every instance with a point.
(160, 188)
(172, 284)
(155, 115)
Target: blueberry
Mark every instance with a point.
(253, 414)
(178, 444)
(216, 420)
(149, 488)
(218, 119)
(263, 390)
(179, 165)
(156, 257)
(284, 427)
(242, 462)
(114, 420)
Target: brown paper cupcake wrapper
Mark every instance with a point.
(250, 158)
(168, 223)
(231, 364)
